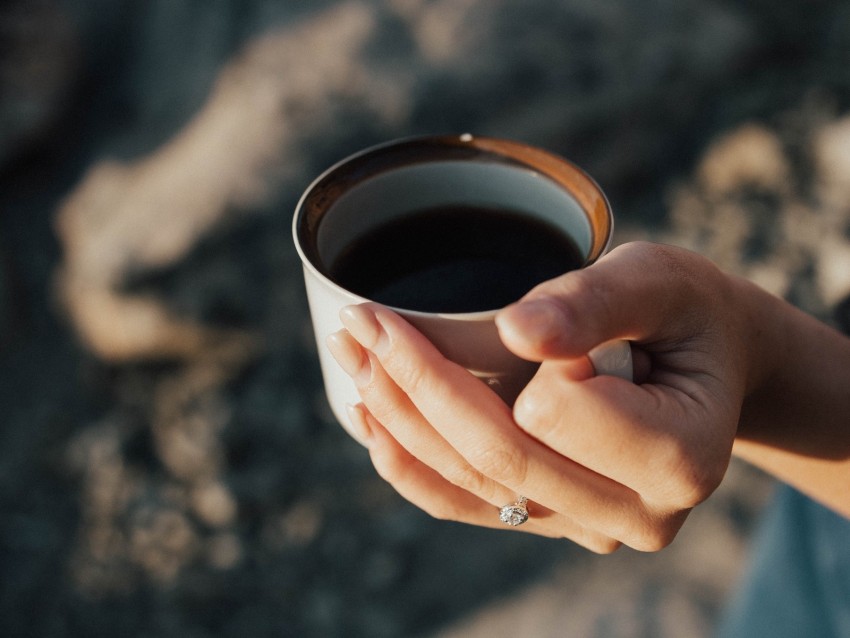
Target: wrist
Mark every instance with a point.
(763, 326)
(797, 373)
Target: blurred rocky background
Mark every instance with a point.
(168, 465)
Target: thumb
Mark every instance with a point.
(637, 292)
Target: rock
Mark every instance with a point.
(213, 503)
(749, 156)
(831, 154)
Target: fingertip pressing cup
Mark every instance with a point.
(613, 358)
(389, 181)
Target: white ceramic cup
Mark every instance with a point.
(388, 181)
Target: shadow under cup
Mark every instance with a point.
(402, 178)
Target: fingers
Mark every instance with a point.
(650, 438)
(632, 293)
(423, 486)
(448, 487)
(409, 428)
(432, 493)
(391, 406)
(500, 460)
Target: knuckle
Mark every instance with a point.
(442, 511)
(595, 541)
(651, 540)
(465, 477)
(533, 409)
(687, 273)
(687, 478)
(411, 378)
(694, 488)
(501, 462)
(596, 297)
(390, 464)
(651, 531)
(604, 546)
(384, 405)
(527, 408)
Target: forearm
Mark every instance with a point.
(795, 420)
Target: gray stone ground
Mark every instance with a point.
(168, 465)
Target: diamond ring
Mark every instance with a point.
(516, 513)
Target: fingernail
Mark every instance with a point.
(363, 325)
(538, 320)
(350, 356)
(359, 424)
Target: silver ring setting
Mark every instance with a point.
(515, 513)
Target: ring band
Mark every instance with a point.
(515, 513)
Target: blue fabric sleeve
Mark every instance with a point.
(799, 580)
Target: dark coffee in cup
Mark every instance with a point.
(454, 259)
(447, 230)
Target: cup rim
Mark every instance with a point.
(373, 160)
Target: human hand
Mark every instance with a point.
(601, 460)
